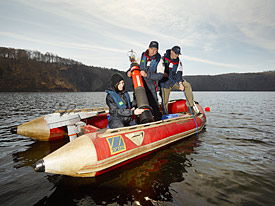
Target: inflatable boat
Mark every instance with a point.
(70, 124)
(61, 124)
(100, 149)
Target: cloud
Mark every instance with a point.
(223, 31)
(190, 23)
(205, 61)
(63, 44)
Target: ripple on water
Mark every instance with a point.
(231, 162)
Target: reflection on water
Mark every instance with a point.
(35, 152)
(149, 177)
(231, 162)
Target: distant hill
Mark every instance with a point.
(32, 71)
(262, 81)
(24, 70)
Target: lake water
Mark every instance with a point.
(231, 162)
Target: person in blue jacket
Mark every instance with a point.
(172, 79)
(119, 103)
(152, 70)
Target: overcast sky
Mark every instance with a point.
(216, 36)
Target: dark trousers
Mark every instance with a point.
(116, 122)
(153, 100)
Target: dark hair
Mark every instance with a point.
(116, 78)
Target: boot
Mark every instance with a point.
(195, 108)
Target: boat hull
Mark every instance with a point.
(98, 152)
(62, 124)
(55, 126)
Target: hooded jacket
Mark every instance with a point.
(119, 108)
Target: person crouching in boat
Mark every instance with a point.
(172, 79)
(118, 101)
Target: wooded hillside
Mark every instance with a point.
(25, 70)
(262, 81)
(22, 70)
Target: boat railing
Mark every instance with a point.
(147, 125)
(99, 110)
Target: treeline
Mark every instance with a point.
(21, 54)
(261, 81)
(32, 71)
(24, 70)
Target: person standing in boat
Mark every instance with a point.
(118, 101)
(172, 79)
(152, 70)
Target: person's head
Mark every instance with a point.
(117, 82)
(153, 48)
(175, 52)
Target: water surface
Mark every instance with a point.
(231, 162)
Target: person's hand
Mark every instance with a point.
(143, 73)
(181, 86)
(129, 74)
(138, 111)
(165, 75)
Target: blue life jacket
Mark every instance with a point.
(154, 61)
(120, 103)
(167, 61)
(171, 71)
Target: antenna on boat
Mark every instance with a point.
(132, 55)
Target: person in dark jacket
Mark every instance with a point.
(172, 79)
(152, 70)
(118, 101)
